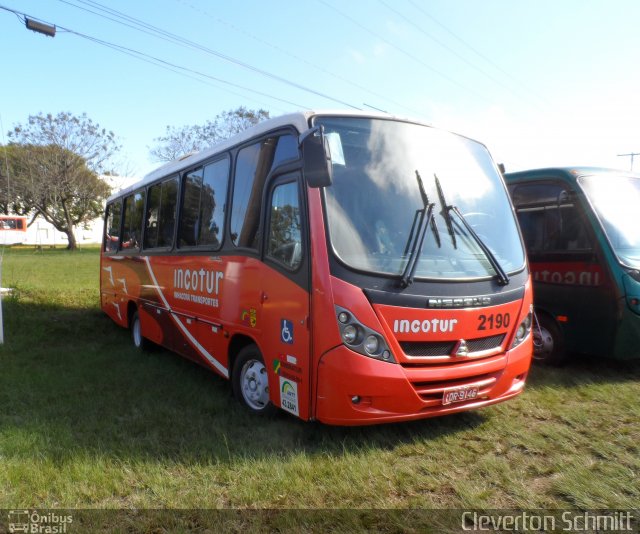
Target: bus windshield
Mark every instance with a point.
(387, 173)
(615, 199)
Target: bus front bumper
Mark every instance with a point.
(356, 390)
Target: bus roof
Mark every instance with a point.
(299, 120)
(562, 173)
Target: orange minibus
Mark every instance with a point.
(351, 268)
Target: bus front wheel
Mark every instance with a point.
(250, 381)
(548, 342)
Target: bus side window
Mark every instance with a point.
(112, 227)
(133, 219)
(550, 220)
(168, 206)
(161, 214)
(152, 217)
(212, 203)
(203, 206)
(253, 165)
(284, 242)
(189, 215)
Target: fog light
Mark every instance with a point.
(343, 317)
(355, 399)
(386, 355)
(371, 344)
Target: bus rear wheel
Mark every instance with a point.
(139, 341)
(548, 342)
(250, 381)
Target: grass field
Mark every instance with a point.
(87, 422)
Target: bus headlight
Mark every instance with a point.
(350, 334)
(371, 344)
(360, 338)
(524, 329)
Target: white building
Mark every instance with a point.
(43, 233)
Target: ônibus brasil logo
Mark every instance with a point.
(34, 522)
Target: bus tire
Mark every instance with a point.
(250, 382)
(548, 342)
(139, 341)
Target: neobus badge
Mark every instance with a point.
(463, 302)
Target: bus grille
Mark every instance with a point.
(438, 349)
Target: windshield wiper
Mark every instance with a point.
(421, 221)
(503, 278)
(445, 212)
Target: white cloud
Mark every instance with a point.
(577, 134)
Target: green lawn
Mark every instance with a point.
(87, 422)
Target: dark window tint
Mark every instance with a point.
(287, 149)
(203, 206)
(538, 194)
(212, 203)
(253, 165)
(285, 237)
(133, 217)
(161, 214)
(153, 216)
(112, 227)
(189, 223)
(550, 219)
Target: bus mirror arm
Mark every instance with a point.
(318, 170)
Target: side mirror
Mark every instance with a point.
(316, 155)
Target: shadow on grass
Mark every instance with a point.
(72, 384)
(581, 369)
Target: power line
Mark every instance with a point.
(475, 50)
(403, 51)
(632, 154)
(192, 44)
(294, 56)
(446, 47)
(147, 58)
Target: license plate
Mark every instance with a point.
(459, 394)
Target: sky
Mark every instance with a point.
(540, 83)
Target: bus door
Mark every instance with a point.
(571, 282)
(284, 298)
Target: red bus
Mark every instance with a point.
(13, 229)
(348, 268)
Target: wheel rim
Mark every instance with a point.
(137, 333)
(542, 343)
(254, 384)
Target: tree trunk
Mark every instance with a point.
(72, 244)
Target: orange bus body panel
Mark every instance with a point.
(196, 305)
(414, 387)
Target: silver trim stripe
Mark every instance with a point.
(223, 370)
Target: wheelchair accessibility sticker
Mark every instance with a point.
(286, 331)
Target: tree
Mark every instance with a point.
(53, 164)
(178, 142)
